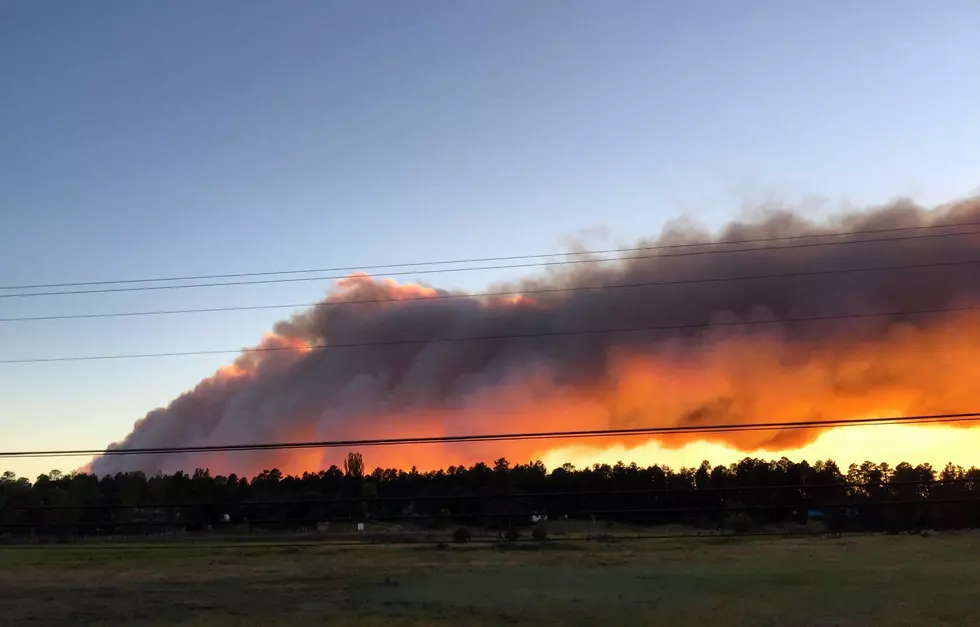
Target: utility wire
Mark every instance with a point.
(530, 292)
(395, 540)
(572, 513)
(144, 288)
(499, 437)
(201, 277)
(483, 338)
(667, 493)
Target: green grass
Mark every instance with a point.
(801, 582)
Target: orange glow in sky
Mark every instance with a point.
(894, 444)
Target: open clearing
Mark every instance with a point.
(799, 582)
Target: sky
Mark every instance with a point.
(142, 139)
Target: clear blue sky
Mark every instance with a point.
(146, 138)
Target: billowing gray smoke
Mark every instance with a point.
(707, 372)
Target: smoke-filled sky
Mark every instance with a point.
(402, 377)
(148, 139)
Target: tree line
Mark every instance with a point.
(748, 494)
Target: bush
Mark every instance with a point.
(539, 533)
(740, 523)
(836, 520)
(462, 535)
(701, 522)
(513, 535)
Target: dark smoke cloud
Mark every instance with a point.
(352, 391)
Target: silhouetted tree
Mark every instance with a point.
(505, 495)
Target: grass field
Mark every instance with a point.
(799, 582)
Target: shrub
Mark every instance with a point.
(739, 523)
(513, 535)
(836, 520)
(701, 522)
(462, 534)
(539, 533)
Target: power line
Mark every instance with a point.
(396, 540)
(667, 492)
(500, 437)
(851, 502)
(531, 292)
(201, 277)
(482, 338)
(493, 267)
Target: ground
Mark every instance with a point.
(724, 582)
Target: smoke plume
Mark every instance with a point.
(708, 372)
